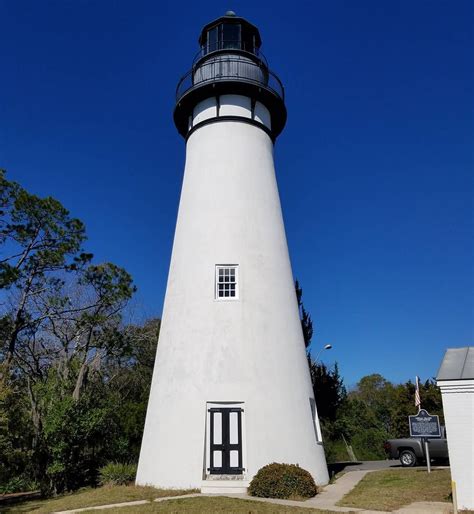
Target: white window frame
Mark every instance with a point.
(315, 418)
(216, 285)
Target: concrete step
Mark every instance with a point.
(224, 486)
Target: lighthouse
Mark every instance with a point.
(231, 389)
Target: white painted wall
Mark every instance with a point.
(230, 105)
(250, 350)
(204, 110)
(262, 114)
(235, 105)
(458, 406)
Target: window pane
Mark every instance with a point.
(247, 39)
(231, 36)
(226, 282)
(217, 427)
(212, 39)
(217, 458)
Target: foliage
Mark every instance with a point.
(306, 321)
(282, 481)
(70, 370)
(374, 411)
(40, 240)
(328, 389)
(117, 473)
(18, 484)
(15, 433)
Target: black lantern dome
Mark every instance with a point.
(229, 62)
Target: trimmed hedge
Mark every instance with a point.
(286, 481)
(117, 473)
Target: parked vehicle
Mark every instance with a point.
(411, 450)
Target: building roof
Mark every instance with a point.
(458, 364)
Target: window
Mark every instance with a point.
(212, 37)
(224, 35)
(231, 35)
(227, 282)
(314, 415)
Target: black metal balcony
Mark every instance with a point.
(230, 69)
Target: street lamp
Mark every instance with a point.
(325, 347)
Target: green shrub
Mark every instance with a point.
(117, 473)
(287, 481)
(335, 451)
(368, 444)
(18, 485)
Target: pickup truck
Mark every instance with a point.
(411, 451)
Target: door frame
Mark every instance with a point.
(224, 405)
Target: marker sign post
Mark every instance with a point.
(426, 426)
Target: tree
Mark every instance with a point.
(329, 390)
(40, 240)
(306, 321)
(130, 379)
(378, 394)
(60, 323)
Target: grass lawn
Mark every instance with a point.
(91, 498)
(391, 489)
(212, 505)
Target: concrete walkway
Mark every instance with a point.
(334, 492)
(327, 500)
(127, 504)
(426, 508)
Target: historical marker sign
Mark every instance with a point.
(424, 425)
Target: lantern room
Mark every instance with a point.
(230, 32)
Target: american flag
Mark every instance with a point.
(417, 394)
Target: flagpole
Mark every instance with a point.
(417, 393)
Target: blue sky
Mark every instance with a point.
(375, 166)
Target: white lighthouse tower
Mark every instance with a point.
(231, 389)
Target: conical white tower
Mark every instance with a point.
(231, 389)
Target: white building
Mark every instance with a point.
(231, 389)
(456, 381)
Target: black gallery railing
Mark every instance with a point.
(228, 69)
